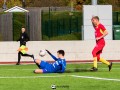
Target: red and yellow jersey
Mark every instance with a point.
(99, 30)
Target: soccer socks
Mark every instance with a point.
(36, 63)
(19, 57)
(104, 61)
(95, 62)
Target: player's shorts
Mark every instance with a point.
(46, 67)
(97, 50)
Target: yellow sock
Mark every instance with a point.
(95, 62)
(104, 61)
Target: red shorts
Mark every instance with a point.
(98, 50)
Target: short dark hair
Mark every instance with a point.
(23, 26)
(95, 17)
(61, 52)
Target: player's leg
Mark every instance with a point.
(96, 56)
(27, 55)
(41, 64)
(37, 62)
(19, 57)
(106, 62)
(94, 53)
(103, 60)
(38, 71)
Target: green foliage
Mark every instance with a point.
(60, 15)
(46, 3)
(18, 22)
(40, 3)
(12, 3)
(2, 13)
(102, 2)
(1, 3)
(73, 36)
(61, 25)
(76, 36)
(99, 1)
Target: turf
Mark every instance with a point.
(21, 77)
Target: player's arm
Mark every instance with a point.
(63, 67)
(52, 55)
(27, 37)
(104, 34)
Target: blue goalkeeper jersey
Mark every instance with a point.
(59, 65)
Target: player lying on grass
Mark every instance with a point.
(58, 66)
(100, 33)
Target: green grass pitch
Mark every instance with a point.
(76, 77)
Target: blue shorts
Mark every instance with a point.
(46, 67)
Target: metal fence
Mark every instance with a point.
(53, 25)
(116, 18)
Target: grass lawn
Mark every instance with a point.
(76, 77)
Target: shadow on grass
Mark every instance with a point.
(77, 70)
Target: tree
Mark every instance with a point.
(1, 3)
(46, 3)
(12, 3)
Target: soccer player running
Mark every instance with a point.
(100, 33)
(58, 66)
(23, 39)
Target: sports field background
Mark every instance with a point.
(76, 77)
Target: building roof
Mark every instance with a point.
(16, 9)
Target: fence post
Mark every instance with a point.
(35, 24)
(27, 23)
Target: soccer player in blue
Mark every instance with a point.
(58, 66)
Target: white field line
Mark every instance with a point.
(96, 78)
(58, 76)
(8, 77)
